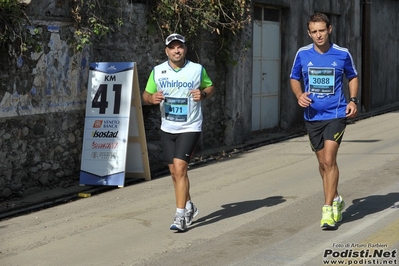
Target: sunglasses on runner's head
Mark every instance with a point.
(174, 37)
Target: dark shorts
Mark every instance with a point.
(319, 131)
(179, 146)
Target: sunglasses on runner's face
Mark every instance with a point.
(176, 37)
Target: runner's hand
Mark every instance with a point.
(196, 94)
(304, 100)
(351, 110)
(157, 97)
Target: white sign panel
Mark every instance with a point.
(107, 123)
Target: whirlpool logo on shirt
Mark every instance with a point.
(176, 84)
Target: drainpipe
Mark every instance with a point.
(366, 59)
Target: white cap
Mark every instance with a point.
(175, 37)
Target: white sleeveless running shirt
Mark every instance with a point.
(180, 113)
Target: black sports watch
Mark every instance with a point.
(203, 94)
(354, 99)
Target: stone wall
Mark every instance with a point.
(42, 103)
(39, 152)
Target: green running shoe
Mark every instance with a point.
(338, 206)
(327, 220)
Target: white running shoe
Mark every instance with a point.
(190, 214)
(179, 224)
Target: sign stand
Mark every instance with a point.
(114, 137)
(137, 145)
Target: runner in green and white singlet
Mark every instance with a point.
(179, 86)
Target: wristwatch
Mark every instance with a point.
(203, 94)
(354, 99)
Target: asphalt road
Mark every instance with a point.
(261, 207)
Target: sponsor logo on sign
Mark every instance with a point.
(105, 146)
(97, 123)
(111, 123)
(103, 134)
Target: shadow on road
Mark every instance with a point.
(362, 140)
(369, 205)
(237, 208)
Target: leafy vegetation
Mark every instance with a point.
(92, 18)
(189, 17)
(13, 20)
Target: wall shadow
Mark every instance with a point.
(236, 208)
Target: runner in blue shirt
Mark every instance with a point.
(322, 66)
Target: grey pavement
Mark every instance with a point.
(258, 207)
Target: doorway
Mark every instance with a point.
(266, 68)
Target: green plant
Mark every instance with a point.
(93, 19)
(189, 17)
(13, 28)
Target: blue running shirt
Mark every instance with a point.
(323, 77)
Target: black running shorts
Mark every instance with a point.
(179, 146)
(319, 131)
